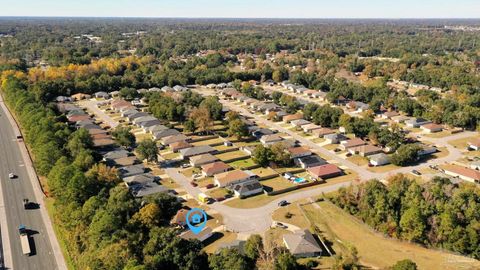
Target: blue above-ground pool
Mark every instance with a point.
(300, 180)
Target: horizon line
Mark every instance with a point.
(248, 18)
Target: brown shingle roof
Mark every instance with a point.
(215, 167)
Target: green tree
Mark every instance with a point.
(406, 154)
(147, 149)
(123, 136)
(404, 265)
(228, 259)
(213, 106)
(286, 261)
(78, 141)
(262, 155)
(237, 128)
(253, 247)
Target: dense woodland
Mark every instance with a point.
(104, 227)
(435, 214)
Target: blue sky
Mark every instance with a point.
(245, 8)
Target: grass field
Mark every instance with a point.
(440, 134)
(382, 169)
(244, 163)
(208, 142)
(264, 172)
(232, 155)
(297, 218)
(217, 193)
(358, 160)
(343, 229)
(276, 183)
(461, 143)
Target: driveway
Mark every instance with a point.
(91, 105)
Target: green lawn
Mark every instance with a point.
(217, 193)
(244, 163)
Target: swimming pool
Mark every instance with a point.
(300, 180)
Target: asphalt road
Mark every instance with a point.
(14, 191)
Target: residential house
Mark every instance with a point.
(475, 165)
(365, 150)
(379, 159)
(262, 132)
(146, 124)
(180, 218)
(310, 127)
(474, 144)
(416, 122)
(203, 235)
(302, 244)
(174, 138)
(334, 138)
(127, 113)
(291, 117)
(268, 140)
(390, 114)
(249, 149)
(177, 146)
(324, 171)
(199, 160)
(136, 115)
(345, 145)
(156, 128)
(400, 119)
(463, 173)
(123, 161)
(139, 120)
(357, 106)
(102, 94)
(426, 150)
(299, 152)
(115, 154)
(247, 188)
(78, 117)
(299, 123)
(143, 185)
(320, 133)
(215, 168)
(103, 143)
(80, 96)
(131, 170)
(309, 161)
(196, 150)
(233, 177)
(165, 133)
(431, 128)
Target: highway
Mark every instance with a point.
(12, 212)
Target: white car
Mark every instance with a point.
(11, 175)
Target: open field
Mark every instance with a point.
(208, 142)
(461, 143)
(358, 160)
(343, 229)
(264, 172)
(244, 163)
(232, 155)
(297, 218)
(382, 169)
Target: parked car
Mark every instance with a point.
(210, 186)
(193, 184)
(282, 203)
(416, 172)
(186, 165)
(280, 225)
(219, 199)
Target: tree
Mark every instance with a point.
(404, 265)
(148, 150)
(406, 154)
(237, 128)
(202, 119)
(78, 141)
(253, 247)
(262, 155)
(280, 154)
(413, 225)
(189, 125)
(128, 93)
(123, 136)
(84, 160)
(286, 261)
(148, 216)
(213, 106)
(228, 259)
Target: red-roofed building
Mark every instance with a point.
(215, 168)
(431, 128)
(325, 171)
(463, 173)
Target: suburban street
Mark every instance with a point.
(91, 105)
(46, 253)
